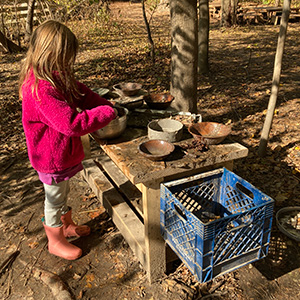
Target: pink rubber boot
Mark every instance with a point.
(70, 229)
(59, 246)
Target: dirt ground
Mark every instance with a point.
(236, 91)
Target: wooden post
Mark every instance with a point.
(155, 248)
(276, 78)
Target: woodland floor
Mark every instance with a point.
(236, 91)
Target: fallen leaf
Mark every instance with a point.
(282, 196)
(33, 245)
(76, 276)
(90, 277)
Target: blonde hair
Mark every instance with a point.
(51, 56)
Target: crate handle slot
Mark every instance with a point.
(180, 213)
(244, 190)
(232, 227)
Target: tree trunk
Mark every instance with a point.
(203, 37)
(228, 8)
(152, 52)
(29, 20)
(184, 54)
(8, 45)
(276, 78)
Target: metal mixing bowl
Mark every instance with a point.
(115, 128)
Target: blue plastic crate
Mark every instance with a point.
(215, 222)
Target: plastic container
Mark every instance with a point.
(215, 222)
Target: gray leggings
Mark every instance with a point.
(55, 202)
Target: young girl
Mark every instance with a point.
(53, 126)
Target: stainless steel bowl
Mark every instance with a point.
(115, 128)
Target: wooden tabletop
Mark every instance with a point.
(138, 169)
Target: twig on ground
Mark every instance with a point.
(31, 268)
(214, 288)
(8, 262)
(8, 166)
(8, 288)
(211, 296)
(88, 211)
(7, 198)
(28, 222)
(53, 281)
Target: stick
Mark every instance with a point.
(29, 220)
(8, 262)
(88, 211)
(213, 289)
(9, 283)
(30, 270)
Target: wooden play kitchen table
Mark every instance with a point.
(128, 186)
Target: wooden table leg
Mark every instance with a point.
(85, 139)
(228, 165)
(155, 247)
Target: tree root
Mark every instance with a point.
(55, 284)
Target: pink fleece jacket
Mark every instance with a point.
(53, 127)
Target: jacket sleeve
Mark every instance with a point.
(58, 114)
(90, 99)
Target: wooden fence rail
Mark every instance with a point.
(16, 12)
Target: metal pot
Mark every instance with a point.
(115, 128)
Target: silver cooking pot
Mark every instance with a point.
(115, 128)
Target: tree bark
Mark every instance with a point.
(8, 45)
(29, 20)
(184, 54)
(276, 78)
(228, 8)
(203, 37)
